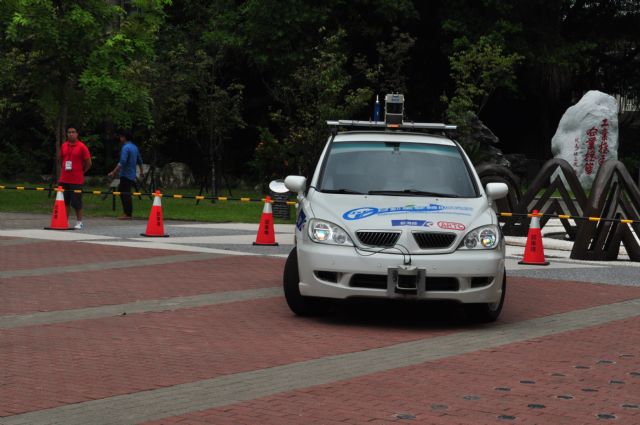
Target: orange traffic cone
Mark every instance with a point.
(59, 219)
(534, 251)
(155, 228)
(266, 233)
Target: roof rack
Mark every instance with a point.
(382, 124)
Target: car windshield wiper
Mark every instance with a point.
(412, 192)
(349, 191)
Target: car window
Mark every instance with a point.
(398, 168)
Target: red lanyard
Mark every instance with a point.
(70, 150)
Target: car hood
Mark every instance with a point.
(376, 212)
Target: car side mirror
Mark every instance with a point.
(496, 190)
(297, 184)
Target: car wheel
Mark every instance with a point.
(487, 312)
(299, 304)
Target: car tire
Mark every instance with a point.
(487, 312)
(299, 304)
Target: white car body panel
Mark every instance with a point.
(329, 271)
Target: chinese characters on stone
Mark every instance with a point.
(590, 155)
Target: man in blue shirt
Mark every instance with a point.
(129, 158)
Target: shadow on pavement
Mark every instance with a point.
(397, 314)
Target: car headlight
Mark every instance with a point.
(326, 232)
(485, 237)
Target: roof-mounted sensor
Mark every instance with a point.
(393, 118)
(393, 108)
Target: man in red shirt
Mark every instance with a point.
(75, 161)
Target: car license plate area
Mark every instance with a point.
(405, 281)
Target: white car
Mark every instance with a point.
(396, 214)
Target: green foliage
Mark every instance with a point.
(279, 34)
(80, 60)
(476, 152)
(116, 78)
(198, 102)
(200, 79)
(477, 72)
(15, 162)
(317, 92)
(389, 75)
(271, 158)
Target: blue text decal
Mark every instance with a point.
(302, 217)
(364, 212)
(416, 223)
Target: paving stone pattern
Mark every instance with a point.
(58, 290)
(539, 383)
(129, 335)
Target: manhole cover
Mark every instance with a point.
(589, 390)
(505, 389)
(536, 406)
(439, 406)
(565, 397)
(528, 382)
(606, 416)
(507, 418)
(407, 416)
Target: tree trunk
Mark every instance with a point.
(61, 127)
(212, 154)
(212, 170)
(55, 178)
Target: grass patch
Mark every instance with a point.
(32, 201)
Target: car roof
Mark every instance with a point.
(393, 136)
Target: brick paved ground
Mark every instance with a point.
(122, 285)
(571, 378)
(168, 362)
(48, 254)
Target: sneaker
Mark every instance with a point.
(78, 226)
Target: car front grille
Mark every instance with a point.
(383, 239)
(427, 240)
(376, 281)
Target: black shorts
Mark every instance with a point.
(70, 197)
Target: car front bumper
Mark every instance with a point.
(466, 276)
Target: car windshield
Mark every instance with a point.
(396, 169)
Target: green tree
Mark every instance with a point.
(477, 72)
(567, 47)
(390, 73)
(317, 92)
(79, 60)
(198, 101)
(277, 35)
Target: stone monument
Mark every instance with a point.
(176, 175)
(587, 135)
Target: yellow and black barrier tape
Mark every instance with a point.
(569, 217)
(162, 195)
(245, 199)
